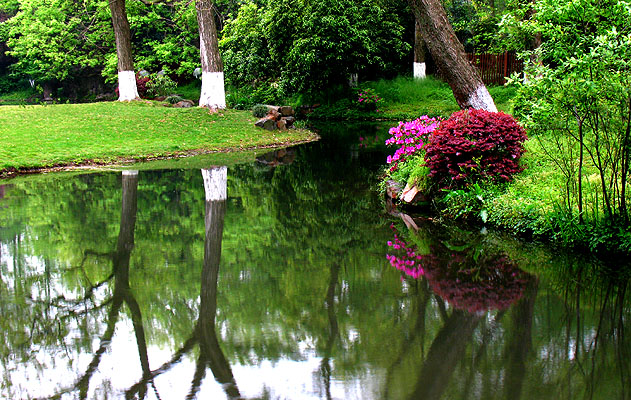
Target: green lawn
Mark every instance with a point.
(43, 136)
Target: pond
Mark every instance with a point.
(151, 284)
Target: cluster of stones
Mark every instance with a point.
(278, 117)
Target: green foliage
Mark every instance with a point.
(244, 97)
(59, 39)
(62, 41)
(174, 98)
(468, 204)
(312, 45)
(403, 98)
(190, 90)
(160, 85)
(579, 102)
(259, 110)
(244, 47)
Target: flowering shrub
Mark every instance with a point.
(410, 137)
(368, 100)
(466, 280)
(473, 145)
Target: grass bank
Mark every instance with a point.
(402, 98)
(534, 205)
(100, 133)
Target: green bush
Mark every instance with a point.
(160, 85)
(259, 110)
(173, 99)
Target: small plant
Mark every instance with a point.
(259, 110)
(368, 100)
(173, 99)
(466, 203)
(474, 145)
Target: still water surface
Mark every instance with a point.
(298, 286)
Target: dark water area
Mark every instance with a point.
(297, 286)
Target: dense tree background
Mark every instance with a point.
(287, 46)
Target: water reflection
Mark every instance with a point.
(467, 276)
(149, 286)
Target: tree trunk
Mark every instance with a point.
(126, 77)
(419, 52)
(449, 54)
(213, 93)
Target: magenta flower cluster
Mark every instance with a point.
(368, 100)
(410, 137)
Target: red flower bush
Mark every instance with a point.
(473, 145)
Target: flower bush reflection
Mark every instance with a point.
(466, 279)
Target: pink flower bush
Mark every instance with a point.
(410, 137)
(368, 100)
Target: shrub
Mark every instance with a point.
(368, 100)
(411, 137)
(259, 110)
(160, 85)
(173, 99)
(474, 145)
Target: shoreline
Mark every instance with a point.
(126, 161)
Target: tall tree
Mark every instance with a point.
(126, 77)
(449, 54)
(213, 93)
(419, 52)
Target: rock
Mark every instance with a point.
(266, 123)
(393, 189)
(272, 108)
(286, 111)
(412, 195)
(184, 104)
(274, 114)
(289, 121)
(282, 125)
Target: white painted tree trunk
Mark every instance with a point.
(420, 70)
(216, 183)
(127, 89)
(481, 99)
(213, 94)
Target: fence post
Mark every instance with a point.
(505, 65)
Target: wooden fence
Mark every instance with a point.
(494, 68)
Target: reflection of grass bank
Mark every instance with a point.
(43, 136)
